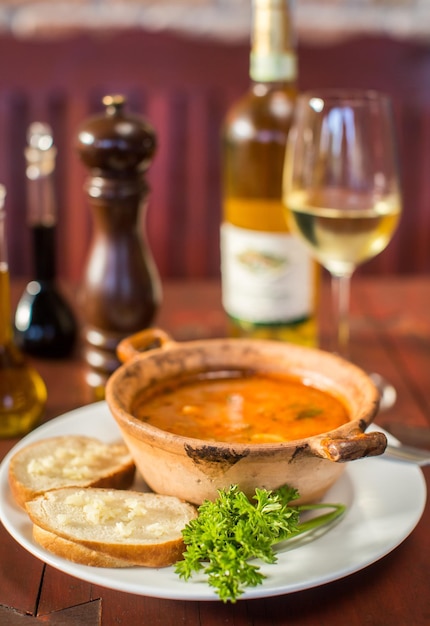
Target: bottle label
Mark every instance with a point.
(272, 67)
(266, 277)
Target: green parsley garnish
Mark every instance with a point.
(231, 531)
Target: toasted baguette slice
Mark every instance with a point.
(68, 461)
(141, 528)
(74, 551)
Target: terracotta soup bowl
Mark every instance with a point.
(194, 469)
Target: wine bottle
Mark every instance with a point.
(45, 324)
(269, 282)
(22, 390)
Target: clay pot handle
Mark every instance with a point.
(143, 341)
(356, 446)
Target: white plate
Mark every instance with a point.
(385, 501)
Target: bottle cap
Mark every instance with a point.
(40, 152)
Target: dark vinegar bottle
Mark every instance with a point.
(45, 325)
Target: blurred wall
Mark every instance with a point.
(184, 84)
(317, 20)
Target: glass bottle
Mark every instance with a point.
(22, 390)
(45, 325)
(269, 281)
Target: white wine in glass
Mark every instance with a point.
(341, 185)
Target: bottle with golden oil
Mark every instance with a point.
(22, 390)
(269, 282)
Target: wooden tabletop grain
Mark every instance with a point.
(391, 335)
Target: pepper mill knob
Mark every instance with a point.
(116, 142)
(121, 289)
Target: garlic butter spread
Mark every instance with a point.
(126, 518)
(71, 463)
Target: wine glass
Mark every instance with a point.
(341, 185)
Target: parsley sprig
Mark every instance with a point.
(231, 531)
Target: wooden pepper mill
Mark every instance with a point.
(121, 289)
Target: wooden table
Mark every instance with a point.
(391, 335)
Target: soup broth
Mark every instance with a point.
(255, 408)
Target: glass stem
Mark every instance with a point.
(340, 292)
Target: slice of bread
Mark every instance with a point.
(109, 527)
(68, 461)
(74, 551)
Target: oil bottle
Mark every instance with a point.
(22, 390)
